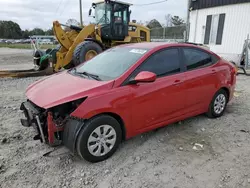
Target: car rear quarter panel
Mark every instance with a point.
(224, 78)
(227, 76)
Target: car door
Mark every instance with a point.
(201, 78)
(155, 103)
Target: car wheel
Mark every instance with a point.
(99, 138)
(218, 104)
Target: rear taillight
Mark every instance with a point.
(235, 70)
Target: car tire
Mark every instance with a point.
(218, 104)
(83, 49)
(92, 144)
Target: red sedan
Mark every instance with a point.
(126, 91)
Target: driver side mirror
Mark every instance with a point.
(145, 77)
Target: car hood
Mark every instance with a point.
(62, 88)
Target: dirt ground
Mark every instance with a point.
(158, 159)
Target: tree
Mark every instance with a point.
(71, 22)
(25, 34)
(37, 31)
(49, 32)
(154, 24)
(168, 20)
(10, 30)
(177, 21)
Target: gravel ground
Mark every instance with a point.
(15, 59)
(163, 158)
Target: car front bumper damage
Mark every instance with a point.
(47, 130)
(32, 118)
(42, 121)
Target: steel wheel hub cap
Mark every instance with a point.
(219, 104)
(101, 140)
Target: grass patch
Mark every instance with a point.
(25, 46)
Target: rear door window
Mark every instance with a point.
(195, 58)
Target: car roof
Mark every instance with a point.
(159, 45)
(153, 45)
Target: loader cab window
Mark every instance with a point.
(120, 21)
(121, 13)
(103, 13)
(125, 17)
(118, 17)
(113, 18)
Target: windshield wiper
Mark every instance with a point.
(90, 75)
(96, 77)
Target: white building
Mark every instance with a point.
(223, 25)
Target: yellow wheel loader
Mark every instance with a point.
(112, 28)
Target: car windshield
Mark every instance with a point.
(112, 63)
(103, 13)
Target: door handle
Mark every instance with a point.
(177, 82)
(213, 71)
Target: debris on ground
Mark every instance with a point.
(4, 140)
(198, 147)
(181, 148)
(225, 178)
(106, 171)
(137, 159)
(236, 94)
(190, 177)
(244, 131)
(156, 174)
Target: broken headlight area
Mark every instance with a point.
(48, 123)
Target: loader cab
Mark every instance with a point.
(113, 18)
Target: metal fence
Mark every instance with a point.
(168, 34)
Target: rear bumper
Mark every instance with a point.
(232, 90)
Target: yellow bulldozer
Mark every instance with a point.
(112, 27)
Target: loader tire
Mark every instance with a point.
(85, 51)
(37, 56)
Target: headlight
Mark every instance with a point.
(66, 109)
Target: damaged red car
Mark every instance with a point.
(126, 91)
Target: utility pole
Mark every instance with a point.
(188, 18)
(80, 4)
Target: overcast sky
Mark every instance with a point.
(41, 13)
